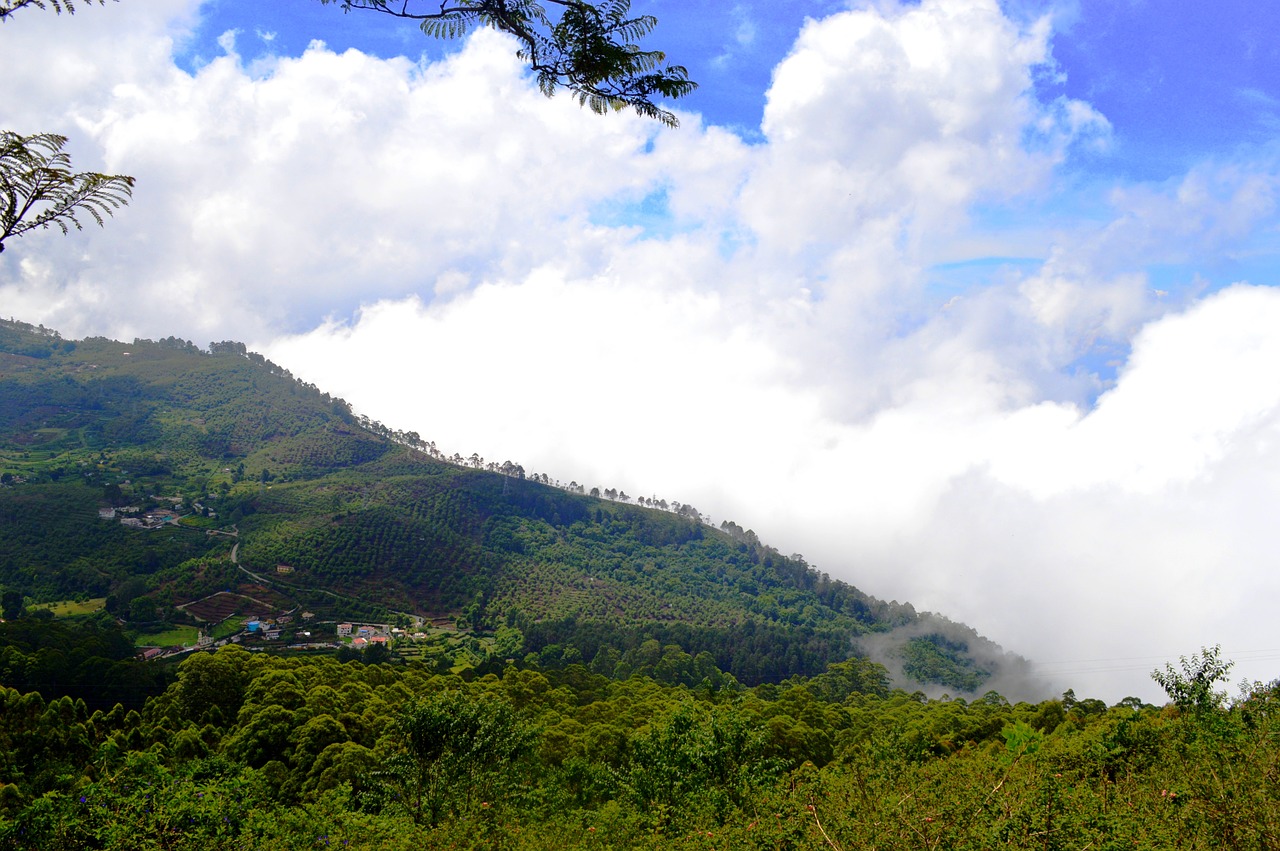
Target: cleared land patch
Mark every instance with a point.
(69, 608)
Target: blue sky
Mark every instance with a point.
(729, 48)
(1179, 83)
(973, 304)
(1177, 80)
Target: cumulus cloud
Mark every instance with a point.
(1194, 383)
(748, 328)
(884, 126)
(910, 111)
(269, 197)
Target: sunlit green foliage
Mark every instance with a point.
(449, 753)
(249, 750)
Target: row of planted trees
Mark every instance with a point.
(511, 469)
(248, 751)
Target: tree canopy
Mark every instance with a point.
(309, 752)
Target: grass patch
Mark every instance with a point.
(230, 626)
(71, 608)
(180, 635)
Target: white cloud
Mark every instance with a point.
(59, 69)
(917, 109)
(227, 41)
(1194, 383)
(746, 328)
(334, 178)
(1133, 530)
(884, 126)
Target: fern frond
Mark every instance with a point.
(453, 26)
(8, 7)
(39, 190)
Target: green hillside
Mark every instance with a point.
(543, 669)
(237, 488)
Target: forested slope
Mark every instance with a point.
(210, 452)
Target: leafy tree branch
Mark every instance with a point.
(1192, 688)
(589, 48)
(38, 188)
(8, 7)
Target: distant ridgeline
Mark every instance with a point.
(153, 475)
